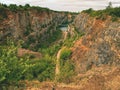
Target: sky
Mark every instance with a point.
(66, 5)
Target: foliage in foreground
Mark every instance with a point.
(41, 70)
(14, 68)
(11, 67)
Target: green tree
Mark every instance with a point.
(90, 10)
(11, 67)
(41, 70)
(109, 5)
(2, 12)
(67, 72)
(27, 6)
(13, 7)
(65, 54)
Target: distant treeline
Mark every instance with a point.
(101, 14)
(14, 7)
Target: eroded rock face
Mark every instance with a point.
(99, 46)
(97, 53)
(31, 26)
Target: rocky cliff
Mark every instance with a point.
(34, 27)
(97, 53)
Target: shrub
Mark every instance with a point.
(114, 19)
(67, 72)
(13, 7)
(41, 70)
(52, 50)
(11, 67)
(90, 10)
(65, 54)
(3, 13)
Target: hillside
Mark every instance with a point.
(35, 53)
(35, 26)
(30, 38)
(97, 53)
(99, 45)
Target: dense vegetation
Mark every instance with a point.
(66, 66)
(14, 68)
(14, 7)
(65, 54)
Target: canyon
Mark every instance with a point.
(34, 27)
(86, 55)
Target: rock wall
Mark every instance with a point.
(99, 46)
(32, 26)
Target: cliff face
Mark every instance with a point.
(100, 45)
(31, 26)
(97, 53)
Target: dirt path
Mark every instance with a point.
(65, 33)
(55, 85)
(57, 69)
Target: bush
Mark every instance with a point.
(3, 13)
(13, 7)
(67, 72)
(11, 67)
(90, 10)
(52, 50)
(41, 70)
(65, 54)
(114, 19)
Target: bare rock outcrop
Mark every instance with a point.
(97, 54)
(32, 26)
(99, 46)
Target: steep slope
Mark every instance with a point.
(97, 53)
(35, 27)
(95, 56)
(99, 45)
